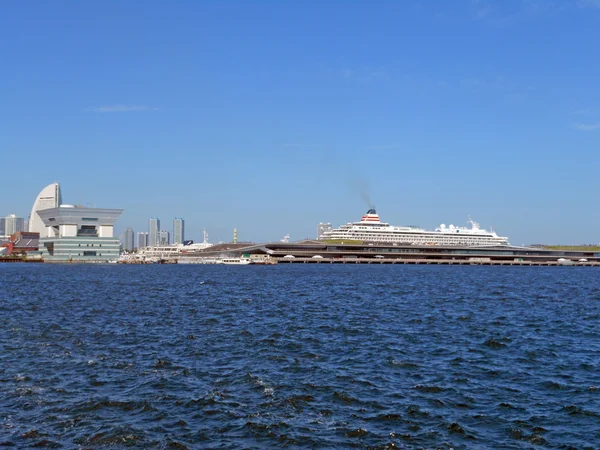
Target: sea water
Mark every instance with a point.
(299, 356)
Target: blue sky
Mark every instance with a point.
(273, 116)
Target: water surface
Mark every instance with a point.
(299, 356)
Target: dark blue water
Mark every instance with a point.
(299, 356)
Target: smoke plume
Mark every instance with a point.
(361, 186)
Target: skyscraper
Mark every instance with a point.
(2, 226)
(153, 229)
(13, 224)
(128, 240)
(49, 197)
(163, 237)
(178, 230)
(142, 239)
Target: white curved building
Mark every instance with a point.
(49, 197)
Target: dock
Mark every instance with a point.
(421, 261)
(323, 252)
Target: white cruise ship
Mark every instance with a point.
(371, 229)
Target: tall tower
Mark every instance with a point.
(13, 224)
(128, 240)
(235, 235)
(142, 239)
(178, 230)
(49, 197)
(153, 229)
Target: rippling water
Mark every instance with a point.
(299, 356)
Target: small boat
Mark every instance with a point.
(236, 261)
(195, 260)
(565, 262)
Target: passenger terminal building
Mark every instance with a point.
(73, 233)
(79, 234)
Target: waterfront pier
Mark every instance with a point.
(459, 262)
(323, 252)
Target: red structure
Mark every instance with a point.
(22, 242)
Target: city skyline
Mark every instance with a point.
(155, 235)
(430, 111)
(167, 237)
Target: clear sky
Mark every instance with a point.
(272, 116)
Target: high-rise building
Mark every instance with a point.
(178, 230)
(128, 240)
(49, 197)
(2, 226)
(153, 229)
(163, 237)
(322, 228)
(142, 239)
(12, 224)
